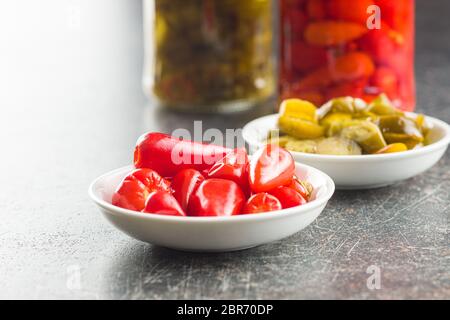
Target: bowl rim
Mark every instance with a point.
(303, 209)
(441, 143)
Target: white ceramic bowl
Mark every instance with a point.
(212, 233)
(364, 171)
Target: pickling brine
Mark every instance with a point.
(358, 48)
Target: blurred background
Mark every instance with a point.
(71, 108)
(72, 69)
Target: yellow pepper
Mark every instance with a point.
(298, 108)
(333, 118)
(392, 148)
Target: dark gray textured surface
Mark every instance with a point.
(71, 109)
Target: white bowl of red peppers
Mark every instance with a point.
(201, 197)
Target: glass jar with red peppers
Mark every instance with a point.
(359, 48)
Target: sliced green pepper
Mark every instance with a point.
(299, 128)
(334, 118)
(382, 106)
(365, 133)
(338, 146)
(400, 129)
(307, 146)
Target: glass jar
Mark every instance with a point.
(209, 55)
(359, 48)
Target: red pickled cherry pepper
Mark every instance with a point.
(261, 202)
(220, 191)
(162, 202)
(216, 197)
(168, 155)
(270, 167)
(135, 188)
(184, 184)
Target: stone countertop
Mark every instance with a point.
(72, 108)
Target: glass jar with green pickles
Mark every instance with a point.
(209, 55)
